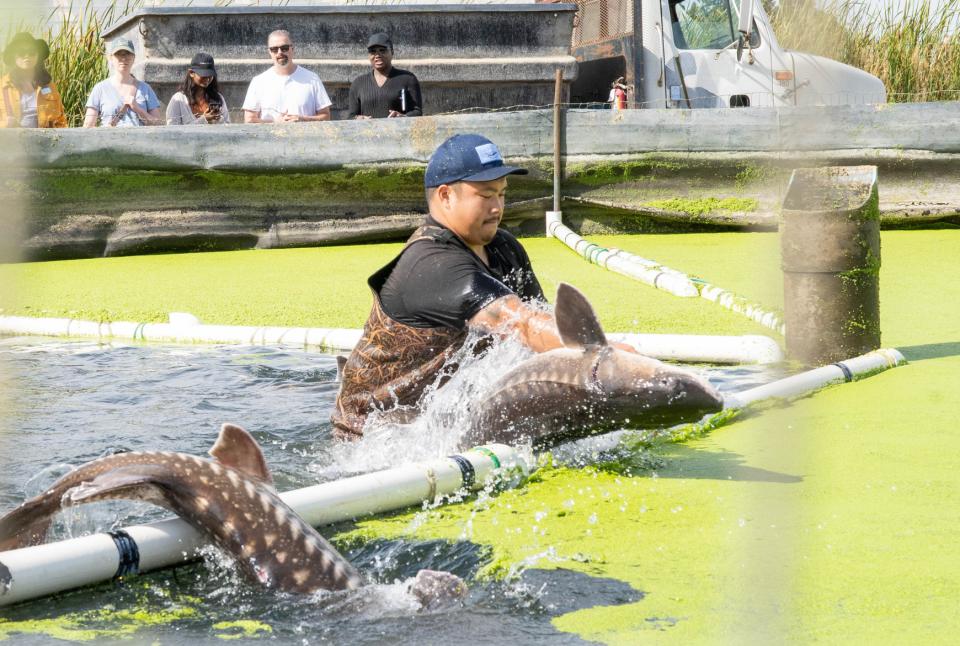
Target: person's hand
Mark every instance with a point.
(289, 118)
(362, 116)
(394, 113)
(212, 114)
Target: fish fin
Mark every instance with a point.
(576, 321)
(341, 364)
(236, 448)
(130, 483)
(27, 524)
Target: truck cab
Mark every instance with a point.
(703, 54)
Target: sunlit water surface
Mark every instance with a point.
(66, 403)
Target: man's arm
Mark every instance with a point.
(509, 315)
(353, 100)
(536, 329)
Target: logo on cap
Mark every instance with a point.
(488, 153)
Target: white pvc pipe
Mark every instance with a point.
(184, 328)
(658, 276)
(46, 569)
(812, 380)
(703, 348)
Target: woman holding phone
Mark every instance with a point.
(199, 100)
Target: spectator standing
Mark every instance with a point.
(618, 94)
(386, 91)
(286, 92)
(122, 100)
(199, 100)
(30, 97)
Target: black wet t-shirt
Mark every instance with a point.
(439, 281)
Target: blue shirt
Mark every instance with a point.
(107, 101)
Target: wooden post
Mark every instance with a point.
(830, 251)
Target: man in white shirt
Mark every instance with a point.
(286, 92)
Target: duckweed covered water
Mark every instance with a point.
(75, 401)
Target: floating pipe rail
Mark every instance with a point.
(41, 570)
(811, 380)
(659, 276)
(185, 328)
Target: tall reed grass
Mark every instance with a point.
(76, 60)
(914, 51)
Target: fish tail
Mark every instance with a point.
(28, 524)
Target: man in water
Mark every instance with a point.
(459, 271)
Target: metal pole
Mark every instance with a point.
(557, 96)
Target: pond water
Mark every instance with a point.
(65, 403)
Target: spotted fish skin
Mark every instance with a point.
(586, 387)
(236, 509)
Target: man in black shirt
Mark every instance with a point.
(458, 271)
(386, 91)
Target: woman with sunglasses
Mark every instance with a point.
(122, 100)
(199, 100)
(29, 96)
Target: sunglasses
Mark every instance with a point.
(279, 48)
(27, 53)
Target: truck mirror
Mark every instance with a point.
(746, 23)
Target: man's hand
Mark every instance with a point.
(289, 118)
(363, 116)
(394, 113)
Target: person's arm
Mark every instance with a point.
(413, 90)
(353, 101)
(150, 116)
(59, 119)
(174, 116)
(91, 117)
(251, 104)
(509, 315)
(537, 330)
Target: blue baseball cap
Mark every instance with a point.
(467, 158)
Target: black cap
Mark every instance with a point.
(471, 158)
(202, 64)
(380, 39)
(23, 41)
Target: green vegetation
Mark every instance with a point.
(706, 205)
(914, 51)
(829, 518)
(326, 287)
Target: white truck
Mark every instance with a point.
(703, 54)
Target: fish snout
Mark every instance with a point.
(687, 390)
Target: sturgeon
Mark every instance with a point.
(230, 500)
(586, 387)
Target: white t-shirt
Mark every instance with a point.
(300, 93)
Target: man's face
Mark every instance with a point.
(473, 210)
(281, 50)
(380, 57)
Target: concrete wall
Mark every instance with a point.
(115, 191)
(464, 55)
